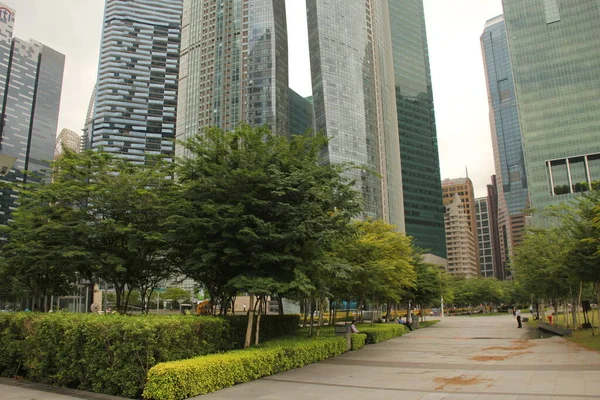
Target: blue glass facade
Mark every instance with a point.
(504, 117)
(421, 180)
(30, 88)
(136, 94)
(555, 56)
(301, 113)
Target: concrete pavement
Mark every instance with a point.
(478, 358)
(466, 358)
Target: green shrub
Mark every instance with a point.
(379, 333)
(271, 327)
(358, 341)
(106, 354)
(183, 379)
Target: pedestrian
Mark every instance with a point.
(518, 314)
(244, 307)
(514, 312)
(405, 323)
(353, 327)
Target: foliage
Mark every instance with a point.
(358, 341)
(100, 218)
(271, 326)
(429, 285)
(106, 354)
(380, 332)
(201, 375)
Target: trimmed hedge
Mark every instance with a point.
(183, 379)
(112, 354)
(271, 327)
(379, 333)
(358, 341)
(104, 354)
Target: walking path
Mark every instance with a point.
(461, 358)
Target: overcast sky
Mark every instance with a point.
(74, 27)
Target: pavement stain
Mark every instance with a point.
(460, 381)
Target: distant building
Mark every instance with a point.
(31, 77)
(464, 188)
(301, 113)
(136, 93)
(68, 139)
(500, 270)
(484, 237)
(555, 59)
(460, 240)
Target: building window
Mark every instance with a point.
(503, 90)
(552, 11)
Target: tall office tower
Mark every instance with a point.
(421, 181)
(485, 237)
(88, 125)
(30, 88)
(554, 53)
(492, 190)
(136, 94)
(68, 139)
(354, 98)
(509, 161)
(464, 188)
(234, 66)
(301, 113)
(460, 239)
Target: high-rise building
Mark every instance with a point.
(421, 181)
(463, 187)
(509, 160)
(460, 240)
(136, 93)
(485, 237)
(354, 97)
(554, 54)
(68, 139)
(301, 113)
(492, 190)
(30, 88)
(234, 66)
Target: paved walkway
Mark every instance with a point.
(461, 358)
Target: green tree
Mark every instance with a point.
(258, 206)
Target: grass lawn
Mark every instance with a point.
(585, 339)
(428, 323)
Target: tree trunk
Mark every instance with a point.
(597, 303)
(305, 303)
(260, 306)
(579, 301)
(250, 322)
(280, 304)
(312, 320)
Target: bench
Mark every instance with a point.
(555, 329)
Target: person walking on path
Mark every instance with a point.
(518, 314)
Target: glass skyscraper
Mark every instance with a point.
(301, 113)
(136, 94)
(507, 144)
(421, 181)
(234, 66)
(354, 98)
(30, 88)
(555, 59)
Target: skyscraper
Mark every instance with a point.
(421, 181)
(460, 239)
(30, 88)
(234, 66)
(509, 160)
(354, 98)
(136, 94)
(301, 113)
(555, 57)
(492, 190)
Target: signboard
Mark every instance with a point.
(6, 14)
